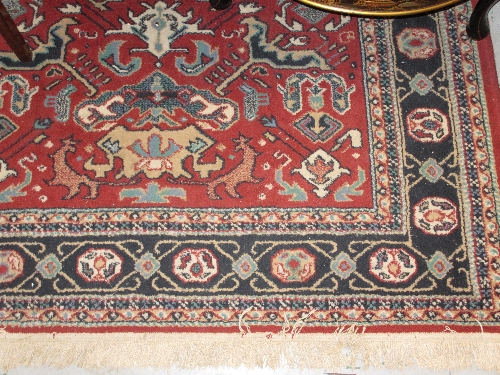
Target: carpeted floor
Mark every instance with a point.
(267, 170)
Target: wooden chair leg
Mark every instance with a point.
(220, 4)
(479, 27)
(13, 37)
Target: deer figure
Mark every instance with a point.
(66, 176)
(241, 173)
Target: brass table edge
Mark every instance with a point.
(380, 12)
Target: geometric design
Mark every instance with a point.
(7, 127)
(147, 265)
(310, 14)
(340, 94)
(206, 56)
(14, 8)
(49, 266)
(293, 265)
(417, 43)
(428, 125)
(431, 170)
(11, 265)
(435, 216)
(252, 101)
(343, 265)
(61, 103)
(99, 265)
(156, 154)
(321, 170)
(318, 129)
(495, 264)
(392, 265)
(112, 147)
(421, 84)
(160, 27)
(439, 265)
(245, 266)
(160, 96)
(195, 265)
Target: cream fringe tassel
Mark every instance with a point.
(344, 347)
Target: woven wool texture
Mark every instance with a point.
(269, 178)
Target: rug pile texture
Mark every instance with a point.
(262, 185)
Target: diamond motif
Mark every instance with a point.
(49, 267)
(439, 265)
(147, 265)
(343, 265)
(245, 266)
(421, 84)
(431, 170)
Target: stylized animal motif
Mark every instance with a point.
(5, 171)
(241, 173)
(68, 177)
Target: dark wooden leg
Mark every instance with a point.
(220, 4)
(13, 37)
(479, 27)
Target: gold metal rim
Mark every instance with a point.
(368, 12)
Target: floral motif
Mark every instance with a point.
(99, 265)
(155, 158)
(11, 265)
(392, 265)
(293, 265)
(417, 43)
(195, 265)
(321, 169)
(427, 125)
(435, 216)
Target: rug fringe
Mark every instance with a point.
(345, 347)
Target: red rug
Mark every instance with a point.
(169, 168)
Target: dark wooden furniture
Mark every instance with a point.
(220, 4)
(13, 37)
(478, 27)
